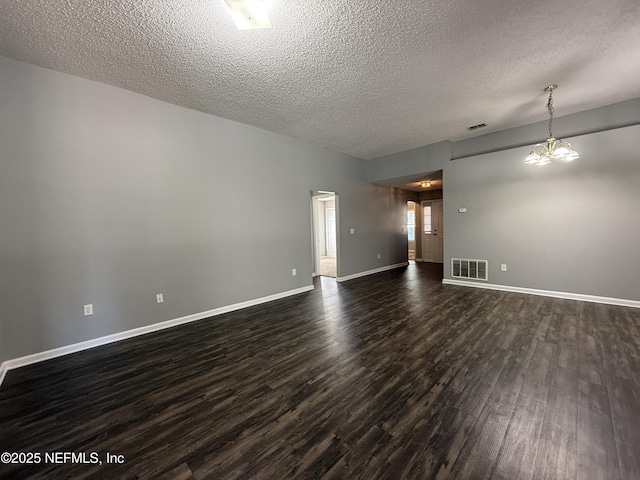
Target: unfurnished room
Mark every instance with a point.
(257, 239)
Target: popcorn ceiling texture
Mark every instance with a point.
(368, 77)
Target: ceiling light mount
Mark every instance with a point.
(553, 149)
(426, 184)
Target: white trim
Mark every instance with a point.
(116, 337)
(546, 293)
(418, 259)
(371, 272)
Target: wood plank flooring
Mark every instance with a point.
(389, 376)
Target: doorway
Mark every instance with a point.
(411, 230)
(330, 228)
(325, 233)
(432, 231)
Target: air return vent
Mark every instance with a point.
(467, 268)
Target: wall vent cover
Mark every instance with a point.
(468, 268)
(475, 127)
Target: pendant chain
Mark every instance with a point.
(550, 109)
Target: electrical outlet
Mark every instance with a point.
(88, 310)
(159, 298)
(378, 256)
(352, 231)
(503, 267)
(293, 272)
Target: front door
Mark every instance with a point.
(432, 232)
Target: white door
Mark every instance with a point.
(432, 231)
(331, 232)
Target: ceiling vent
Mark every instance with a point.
(466, 268)
(476, 127)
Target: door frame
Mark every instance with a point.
(315, 257)
(416, 230)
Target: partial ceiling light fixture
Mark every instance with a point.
(249, 14)
(426, 184)
(552, 149)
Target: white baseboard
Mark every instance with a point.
(418, 259)
(371, 272)
(116, 337)
(547, 293)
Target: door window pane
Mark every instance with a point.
(426, 219)
(411, 224)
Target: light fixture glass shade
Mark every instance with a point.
(560, 152)
(564, 151)
(248, 14)
(532, 158)
(539, 155)
(543, 153)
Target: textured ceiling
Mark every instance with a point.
(366, 77)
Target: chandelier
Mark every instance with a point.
(552, 149)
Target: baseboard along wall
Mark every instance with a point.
(546, 293)
(116, 337)
(371, 272)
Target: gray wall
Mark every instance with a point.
(426, 159)
(430, 195)
(571, 228)
(566, 227)
(109, 197)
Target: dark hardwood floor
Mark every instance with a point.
(388, 376)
